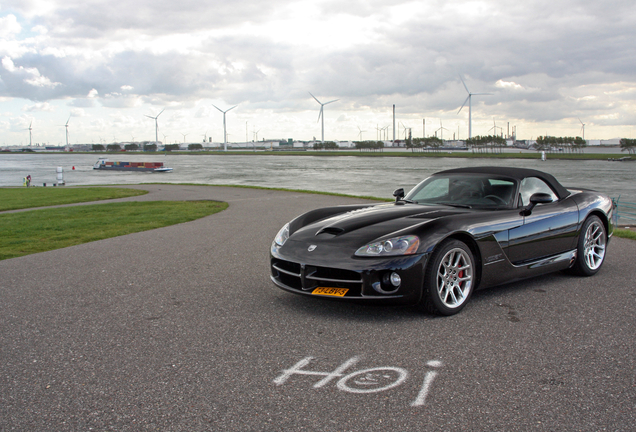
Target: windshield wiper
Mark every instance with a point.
(457, 205)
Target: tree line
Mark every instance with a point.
(145, 147)
(424, 144)
(327, 145)
(479, 144)
(369, 145)
(629, 145)
(488, 143)
(569, 144)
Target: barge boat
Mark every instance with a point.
(105, 164)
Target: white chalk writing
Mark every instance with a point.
(363, 381)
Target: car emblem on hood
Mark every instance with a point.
(312, 248)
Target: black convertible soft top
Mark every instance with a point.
(514, 173)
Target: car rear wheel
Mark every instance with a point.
(449, 278)
(591, 247)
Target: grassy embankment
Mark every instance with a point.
(33, 231)
(625, 233)
(21, 198)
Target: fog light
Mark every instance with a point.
(389, 283)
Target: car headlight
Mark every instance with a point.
(282, 235)
(404, 245)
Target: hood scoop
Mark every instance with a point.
(334, 231)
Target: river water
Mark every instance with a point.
(370, 176)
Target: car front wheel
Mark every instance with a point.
(449, 278)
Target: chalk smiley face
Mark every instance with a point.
(373, 380)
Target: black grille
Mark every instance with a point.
(306, 277)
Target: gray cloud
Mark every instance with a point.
(77, 18)
(537, 57)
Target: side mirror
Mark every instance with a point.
(398, 194)
(537, 198)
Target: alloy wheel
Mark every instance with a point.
(454, 278)
(594, 249)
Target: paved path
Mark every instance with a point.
(180, 329)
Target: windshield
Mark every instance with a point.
(465, 190)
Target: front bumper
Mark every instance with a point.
(364, 278)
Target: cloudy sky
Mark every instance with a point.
(107, 65)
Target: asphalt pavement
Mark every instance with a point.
(181, 329)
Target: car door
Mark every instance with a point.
(550, 229)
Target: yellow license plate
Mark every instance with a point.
(338, 292)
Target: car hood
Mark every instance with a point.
(370, 223)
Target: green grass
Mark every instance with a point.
(21, 198)
(367, 197)
(34, 231)
(625, 233)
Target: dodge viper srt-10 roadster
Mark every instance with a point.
(456, 231)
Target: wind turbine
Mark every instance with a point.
(495, 127)
(360, 133)
(185, 135)
(254, 137)
(30, 135)
(66, 126)
(322, 115)
(224, 128)
(582, 129)
(156, 126)
(441, 131)
(469, 100)
(407, 130)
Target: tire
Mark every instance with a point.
(449, 279)
(590, 251)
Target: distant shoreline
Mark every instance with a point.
(508, 154)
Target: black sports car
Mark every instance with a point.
(456, 231)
